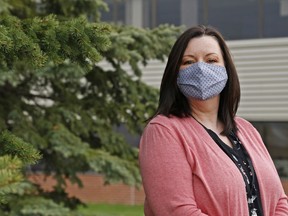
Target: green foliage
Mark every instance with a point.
(55, 95)
(137, 45)
(69, 9)
(9, 176)
(16, 147)
(38, 206)
(14, 154)
(63, 9)
(5, 6)
(33, 43)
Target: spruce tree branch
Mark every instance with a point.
(33, 96)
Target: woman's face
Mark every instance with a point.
(202, 49)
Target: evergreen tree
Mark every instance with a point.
(56, 97)
(14, 154)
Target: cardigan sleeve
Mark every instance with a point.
(282, 206)
(166, 173)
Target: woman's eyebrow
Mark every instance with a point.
(189, 55)
(211, 54)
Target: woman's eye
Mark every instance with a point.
(212, 61)
(188, 62)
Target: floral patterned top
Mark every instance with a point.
(240, 157)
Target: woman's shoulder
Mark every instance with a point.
(245, 125)
(160, 119)
(167, 121)
(173, 124)
(242, 122)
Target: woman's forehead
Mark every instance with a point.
(202, 45)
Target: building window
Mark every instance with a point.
(116, 13)
(157, 12)
(275, 18)
(246, 19)
(235, 19)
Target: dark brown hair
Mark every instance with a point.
(173, 102)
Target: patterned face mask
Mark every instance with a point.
(202, 80)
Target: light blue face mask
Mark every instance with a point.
(202, 80)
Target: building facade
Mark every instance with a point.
(245, 19)
(257, 34)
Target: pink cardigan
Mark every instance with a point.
(185, 173)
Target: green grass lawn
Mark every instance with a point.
(111, 210)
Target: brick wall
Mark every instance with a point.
(285, 185)
(94, 190)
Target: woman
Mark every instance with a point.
(197, 157)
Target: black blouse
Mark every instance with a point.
(241, 159)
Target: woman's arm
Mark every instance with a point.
(166, 174)
(282, 206)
